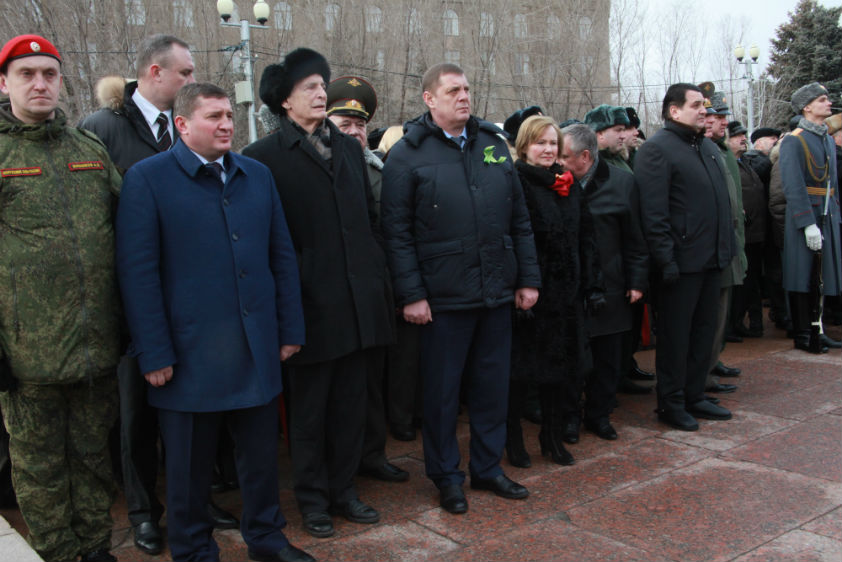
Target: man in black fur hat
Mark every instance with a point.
(321, 177)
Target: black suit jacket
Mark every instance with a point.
(330, 214)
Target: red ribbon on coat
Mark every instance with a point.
(562, 183)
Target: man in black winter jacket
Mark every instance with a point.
(461, 251)
(686, 218)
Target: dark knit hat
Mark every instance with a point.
(736, 128)
(634, 120)
(764, 132)
(278, 80)
(351, 95)
(27, 46)
(513, 122)
(805, 94)
(604, 116)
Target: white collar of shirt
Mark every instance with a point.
(150, 113)
(220, 160)
(460, 139)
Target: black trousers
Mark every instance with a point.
(374, 440)
(475, 345)
(687, 315)
(403, 381)
(327, 424)
(191, 441)
(601, 383)
(747, 298)
(138, 444)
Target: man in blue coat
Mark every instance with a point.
(211, 294)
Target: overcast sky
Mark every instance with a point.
(764, 17)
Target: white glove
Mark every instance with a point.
(814, 237)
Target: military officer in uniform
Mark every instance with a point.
(351, 103)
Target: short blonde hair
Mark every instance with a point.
(533, 128)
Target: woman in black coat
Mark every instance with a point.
(549, 341)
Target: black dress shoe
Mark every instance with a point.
(708, 411)
(803, 343)
(319, 524)
(721, 388)
(570, 431)
(452, 499)
(221, 518)
(827, 342)
(602, 428)
(287, 554)
(147, 537)
(679, 419)
(638, 374)
(712, 399)
(630, 387)
(101, 555)
(386, 472)
(724, 371)
(356, 511)
(403, 431)
(501, 485)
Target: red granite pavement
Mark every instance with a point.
(764, 486)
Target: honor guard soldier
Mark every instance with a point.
(59, 311)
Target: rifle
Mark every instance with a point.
(817, 283)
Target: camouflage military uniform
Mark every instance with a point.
(59, 328)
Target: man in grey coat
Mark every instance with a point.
(811, 230)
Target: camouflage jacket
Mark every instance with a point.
(59, 303)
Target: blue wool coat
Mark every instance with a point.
(209, 280)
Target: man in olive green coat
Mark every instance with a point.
(716, 126)
(59, 311)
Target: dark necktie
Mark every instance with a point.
(215, 169)
(164, 140)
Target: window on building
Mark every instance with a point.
(182, 13)
(452, 57)
(587, 64)
(380, 61)
(585, 26)
(487, 60)
(373, 19)
(331, 17)
(553, 27)
(135, 12)
(451, 23)
(413, 22)
(486, 25)
(520, 26)
(283, 16)
(521, 64)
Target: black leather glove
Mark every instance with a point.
(596, 302)
(670, 273)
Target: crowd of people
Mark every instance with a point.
(157, 280)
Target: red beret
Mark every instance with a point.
(27, 46)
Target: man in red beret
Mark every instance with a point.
(59, 321)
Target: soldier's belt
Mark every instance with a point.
(820, 191)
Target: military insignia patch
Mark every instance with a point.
(18, 172)
(82, 166)
(35, 46)
(354, 82)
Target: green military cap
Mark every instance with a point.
(351, 95)
(604, 116)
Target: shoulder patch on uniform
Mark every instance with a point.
(82, 166)
(17, 172)
(797, 131)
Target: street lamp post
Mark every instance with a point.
(244, 90)
(753, 54)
